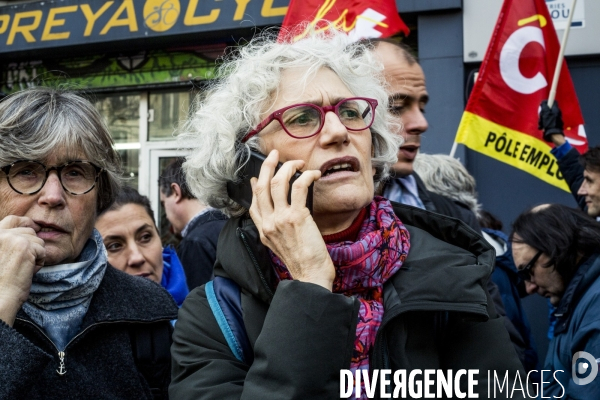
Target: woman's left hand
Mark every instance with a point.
(289, 229)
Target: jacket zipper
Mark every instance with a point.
(380, 348)
(262, 278)
(62, 368)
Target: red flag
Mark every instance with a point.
(501, 117)
(359, 18)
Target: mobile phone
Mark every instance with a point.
(241, 191)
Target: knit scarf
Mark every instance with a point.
(362, 267)
(61, 294)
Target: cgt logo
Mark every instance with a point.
(579, 367)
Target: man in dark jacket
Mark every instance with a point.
(408, 98)
(198, 224)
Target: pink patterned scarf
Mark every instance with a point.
(362, 267)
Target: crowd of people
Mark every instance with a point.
(376, 257)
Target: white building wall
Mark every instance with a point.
(479, 20)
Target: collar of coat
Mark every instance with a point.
(199, 220)
(587, 273)
(125, 298)
(446, 268)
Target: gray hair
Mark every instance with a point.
(446, 176)
(36, 122)
(248, 85)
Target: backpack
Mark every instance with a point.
(151, 343)
(224, 299)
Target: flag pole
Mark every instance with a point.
(454, 146)
(561, 56)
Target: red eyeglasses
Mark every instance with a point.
(305, 120)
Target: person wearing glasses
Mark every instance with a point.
(69, 321)
(355, 283)
(557, 253)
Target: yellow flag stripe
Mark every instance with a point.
(511, 147)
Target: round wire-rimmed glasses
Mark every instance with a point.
(29, 177)
(305, 120)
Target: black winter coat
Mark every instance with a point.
(443, 205)
(437, 315)
(99, 361)
(198, 249)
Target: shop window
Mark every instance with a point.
(121, 114)
(165, 112)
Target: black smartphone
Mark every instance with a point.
(241, 191)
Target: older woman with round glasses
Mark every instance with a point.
(68, 321)
(356, 284)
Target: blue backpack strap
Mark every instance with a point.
(225, 302)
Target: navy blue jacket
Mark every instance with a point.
(577, 329)
(511, 288)
(571, 169)
(197, 251)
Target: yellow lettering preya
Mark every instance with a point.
(24, 30)
(240, 9)
(268, 10)
(91, 17)
(4, 22)
(527, 152)
(190, 19)
(51, 22)
(129, 20)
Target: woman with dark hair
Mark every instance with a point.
(68, 321)
(133, 243)
(557, 252)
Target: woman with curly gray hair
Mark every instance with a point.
(301, 294)
(68, 320)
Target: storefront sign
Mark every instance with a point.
(58, 23)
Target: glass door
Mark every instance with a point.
(142, 124)
(159, 159)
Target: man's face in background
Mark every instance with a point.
(590, 189)
(408, 97)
